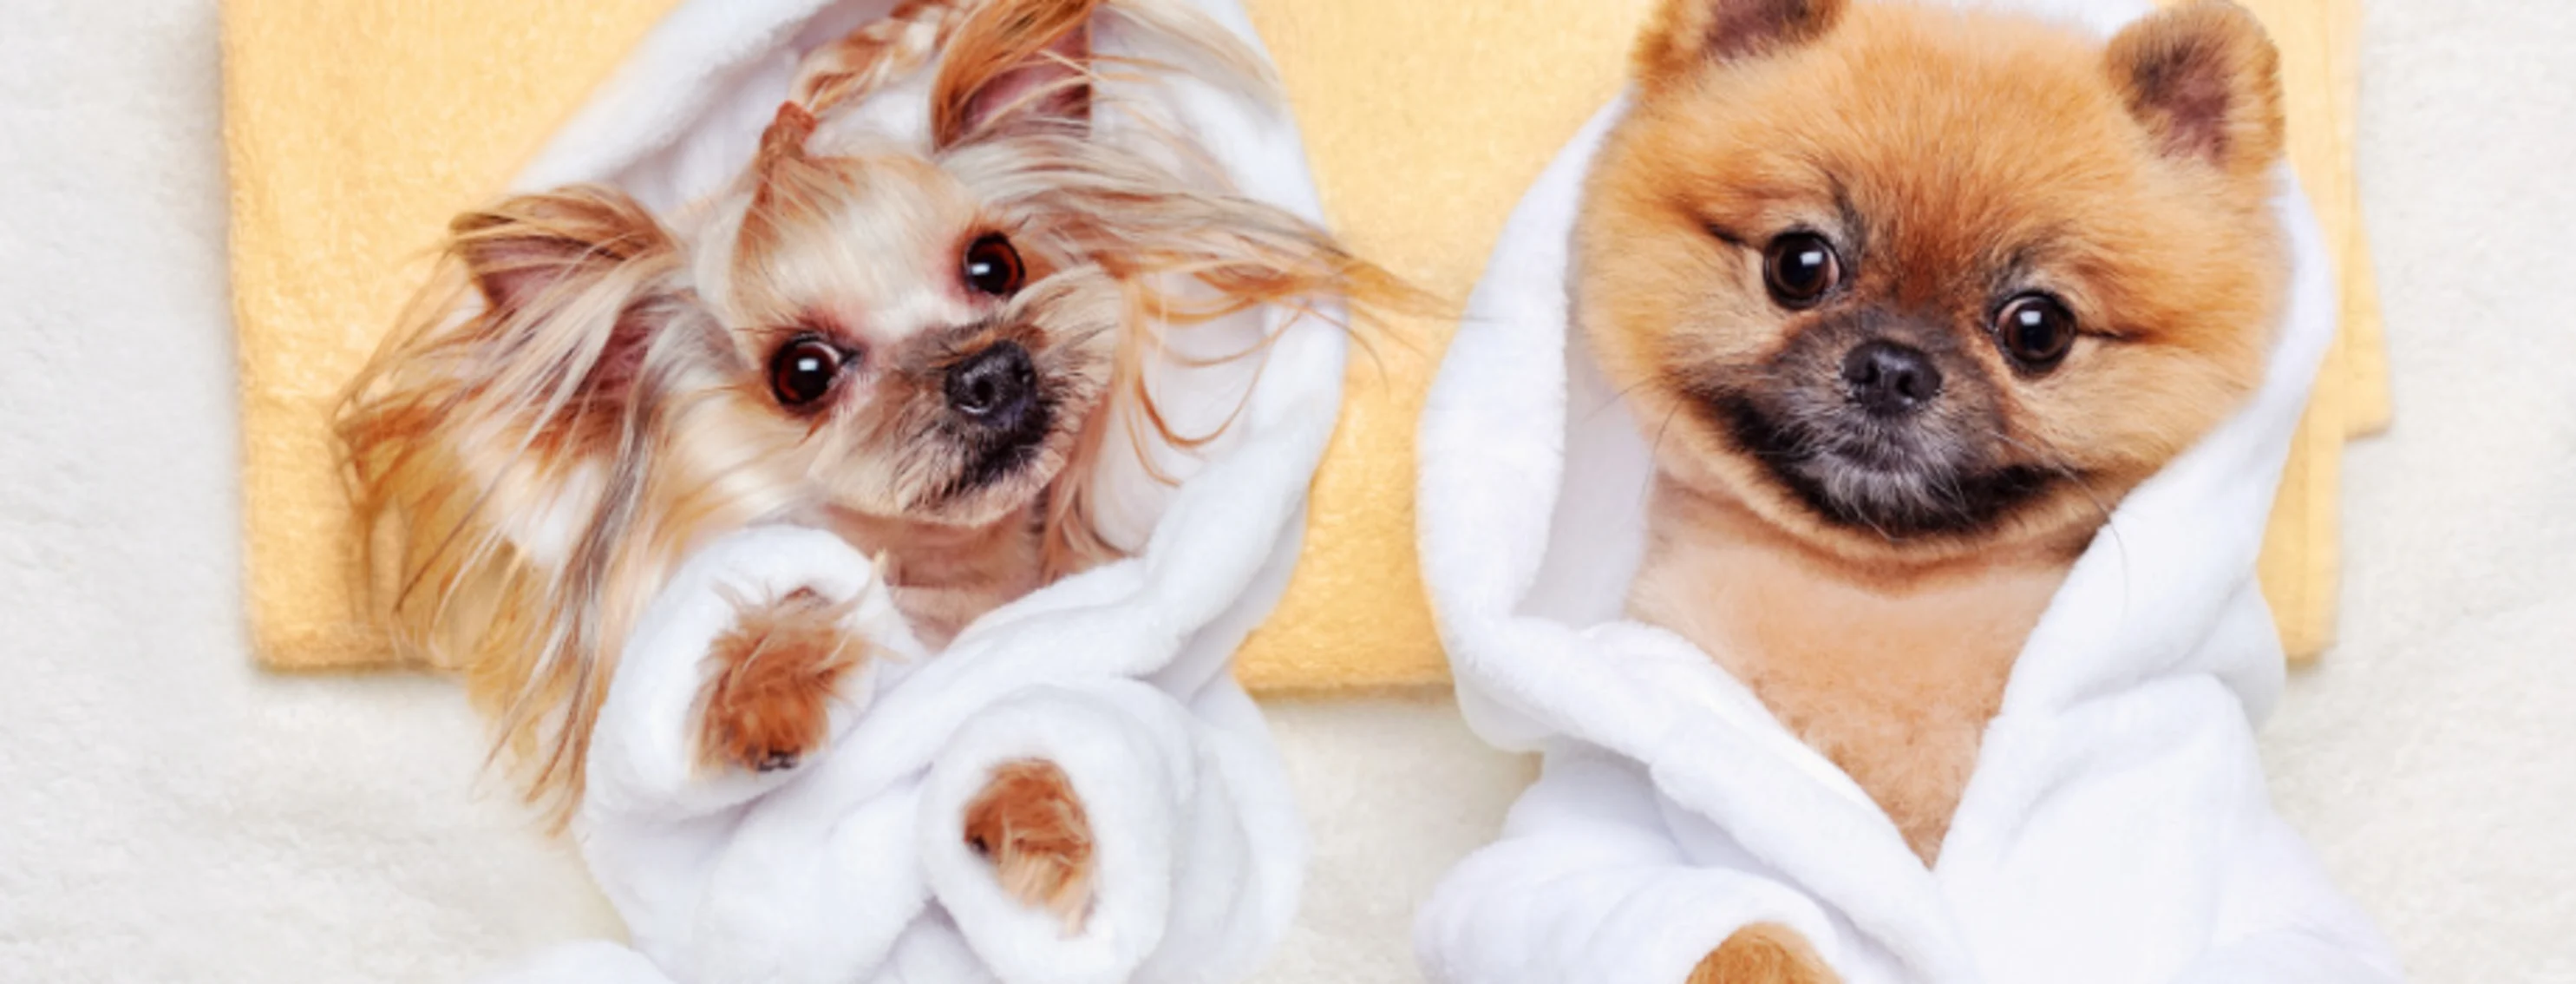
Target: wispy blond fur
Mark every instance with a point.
(585, 395)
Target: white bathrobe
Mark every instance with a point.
(852, 866)
(2116, 828)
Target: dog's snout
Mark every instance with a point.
(996, 387)
(1889, 380)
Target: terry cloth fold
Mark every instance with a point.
(2116, 828)
(852, 865)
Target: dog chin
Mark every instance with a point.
(990, 489)
(1864, 480)
(983, 506)
(1898, 503)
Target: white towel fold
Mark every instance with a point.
(852, 866)
(2116, 828)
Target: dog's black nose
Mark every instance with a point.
(996, 387)
(1890, 380)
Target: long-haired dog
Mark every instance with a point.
(1906, 298)
(911, 346)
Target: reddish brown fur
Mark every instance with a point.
(1949, 152)
(1030, 824)
(2202, 79)
(1764, 953)
(1684, 36)
(768, 696)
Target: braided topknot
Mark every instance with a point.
(785, 138)
(848, 70)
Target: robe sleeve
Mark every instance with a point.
(1189, 876)
(1586, 885)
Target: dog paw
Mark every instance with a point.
(1764, 954)
(1029, 824)
(767, 701)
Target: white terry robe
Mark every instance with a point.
(2116, 828)
(852, 865)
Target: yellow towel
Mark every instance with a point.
(355, 129)
(2320, 51)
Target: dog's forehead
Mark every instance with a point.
(1950, 155)
(872, 255)
(885, 265)
(1995, 196)
(1922, 98)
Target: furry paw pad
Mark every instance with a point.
(1028, 822)
(1764, 954)
(767, 702)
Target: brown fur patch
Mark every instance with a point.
(1030, 824)
(2203, 79)
(1954, 162)
(1687, 33)
(1764, 953)
(768, 697)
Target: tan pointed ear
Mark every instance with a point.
(1687, 34)
(576, 285)
(1015, 64)
(2205, 82)
(526, 249)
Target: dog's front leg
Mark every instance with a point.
(1029, 823)
(772, 679)
(1764, 953)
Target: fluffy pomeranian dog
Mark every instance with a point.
(1906, 299)
(915, 347)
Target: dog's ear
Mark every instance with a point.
(498, 457)
(529, 253)
(577, 285)
(2205, 82)
(1014, 66)
(1687, 34)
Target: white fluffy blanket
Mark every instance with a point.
(2116, 829)
(852, 866)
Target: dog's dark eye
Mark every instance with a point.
(1800, 268)
(2036, 330)
(803, 371)
(993, 267)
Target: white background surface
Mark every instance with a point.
(168, 812)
